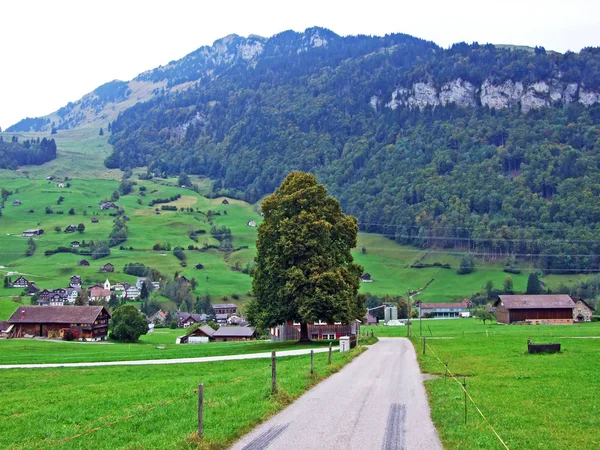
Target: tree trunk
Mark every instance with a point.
(304, 333)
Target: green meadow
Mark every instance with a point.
(154, 407)
(543, 401)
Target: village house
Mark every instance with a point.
(583, 311)
(370, 319)
(225, 308)
(72, 293)
(183, 279)
(75, 281)
(316, 331)
(234, 320)
(99, 294)
(71, 229)
(535, 309)
(83, 262)
(60, 184)
(75, 244)
(20, 282)
(201, 335)
(234, 334)
(17, 203)
(251, 223)
(131, 293)
(158, 318)
(118, 286)
(366, 278)
(108, 267)
(221, 319)
(33, 232)
(32, 288)
(108, 205)
(85, 322)
(185, 320)
(94, 220)
(140, 281)
(225, 202)
(442, 310)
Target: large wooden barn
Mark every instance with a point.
(85, 322)
(535, 309)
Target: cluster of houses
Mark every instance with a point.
(535, 309)
(97, 292)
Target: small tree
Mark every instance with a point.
(57, 229)
(144, 292)
(82, 299)
(127, 324)
(484, 314)
(81, 228)
(534, 286)
(101, 132)
(467, 264)
(72, 212)
(508, 285)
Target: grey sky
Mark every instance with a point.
(55, 52)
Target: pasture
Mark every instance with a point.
(532, 401)
(150, 406)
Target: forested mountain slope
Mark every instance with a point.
(494, 150)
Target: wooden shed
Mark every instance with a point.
(535, 309)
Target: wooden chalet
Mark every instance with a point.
(87, 322)
(94, 220)
(108, 267)
(20, 282)
(366, 278)
(200, 335)
(70, 229)
(83, 262)
(17, 203)
(535, 309)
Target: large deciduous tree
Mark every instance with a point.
(304, 269)
(127, 324)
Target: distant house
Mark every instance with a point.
(71, 229)
(251, 223)
(221, 319)
(225, 308)
(94, 220)
(371, 319)
(108, 267)
(32, 288)
(316, 331)
(234, 320)
(184, 319)
(118, 286)
(33, 232)
(159, 317)
(234, 334)
(60, 184)
(582, 311)
(57, 297)
(125, 218)
(140, 281)
(225, 202)
(366, 278)
(535, 309)
(17, 203)
(442, 310)
(75, 281)
(72, 293)
(201, 335)
(86, 322)
(99, 294)
(20, 282)
(183, 279)
(108, 205)
(132, 292)
(199, 266)
(83, 262)
(75, 244)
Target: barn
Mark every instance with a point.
(84, 322)
(535, 309)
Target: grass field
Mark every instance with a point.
(532, 401)
(149, 407)
(27, 351)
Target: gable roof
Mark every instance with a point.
(56, 314)
(234, 332)
(535, 301)
(224, 305)
(577, 300)
(423, 305)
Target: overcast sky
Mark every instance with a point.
(56, 51)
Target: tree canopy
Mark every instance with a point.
(304, 269)
(127, 324)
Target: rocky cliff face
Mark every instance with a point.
(496, 96)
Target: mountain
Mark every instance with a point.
(491, 149)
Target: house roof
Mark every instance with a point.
(205, 329)
(224, 305)
(56, 314)
(234, 332)
(462, 304)
(4, 325)
(535, 301)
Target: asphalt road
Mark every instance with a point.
(376, 402)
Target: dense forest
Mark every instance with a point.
(29, 152)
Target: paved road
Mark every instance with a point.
(376, 402)
(145, 362)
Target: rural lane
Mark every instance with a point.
(378, 401)
(145, 362)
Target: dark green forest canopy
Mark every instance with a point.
(490, 181)
(29, 152)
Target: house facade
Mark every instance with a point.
(316, 331)
(442, 310)
(535, 309)
(86, 322)
(99, 294)
(583, 311)
(234, 334)
(20, 282)
(225, 308)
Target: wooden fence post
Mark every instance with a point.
(200, 408)
(329, 359)
(424, 344)
(273, 372)
(312, 361)
(465, 387)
